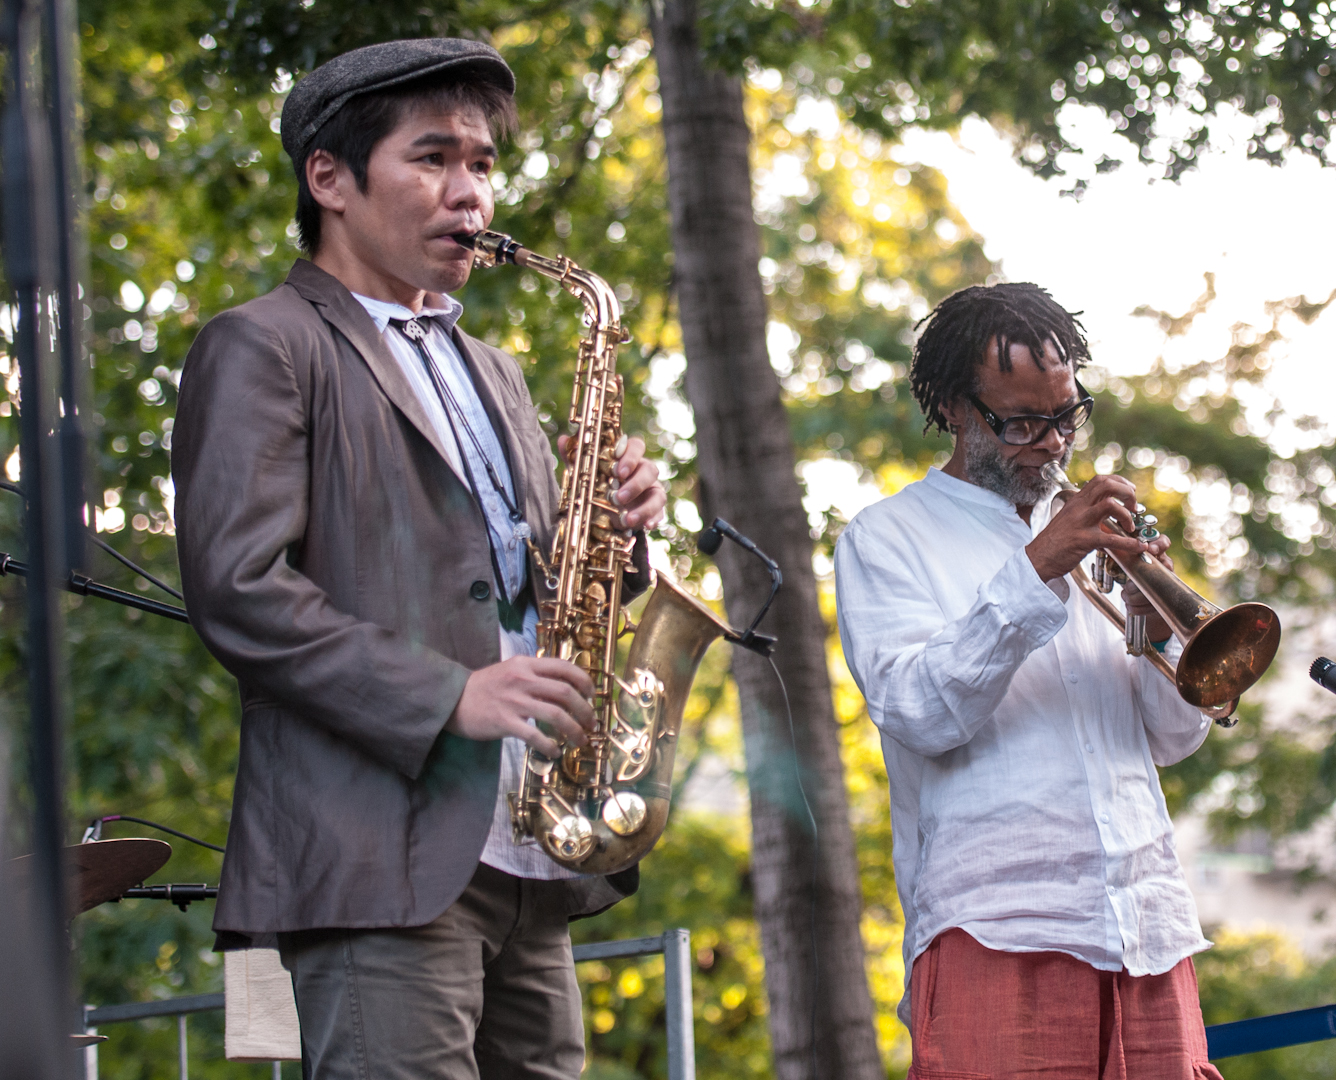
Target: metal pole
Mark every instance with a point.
(30, 239)
(90, 1058)
(181, 1046)
(62, 45)
(677, 1003)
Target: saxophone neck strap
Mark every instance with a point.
(454, 414)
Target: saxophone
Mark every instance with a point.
(599, 808)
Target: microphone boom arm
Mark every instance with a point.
(709, 542)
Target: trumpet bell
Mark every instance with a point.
(1225, 655)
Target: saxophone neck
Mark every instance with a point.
(600, 300)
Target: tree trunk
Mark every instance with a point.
(807, 894)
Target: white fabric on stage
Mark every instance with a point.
(260, 1010)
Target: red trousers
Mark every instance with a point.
(980, 1014)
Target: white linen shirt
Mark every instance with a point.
(500, 851)
(1020, 739)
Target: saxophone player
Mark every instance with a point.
(356, 479)
(1048, 925)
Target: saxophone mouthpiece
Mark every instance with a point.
(493, 248)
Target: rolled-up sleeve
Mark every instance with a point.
(931, 682)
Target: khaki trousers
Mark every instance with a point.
(485, 992)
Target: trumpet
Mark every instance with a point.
(1225, 650)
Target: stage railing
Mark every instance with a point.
(1222, 1040)
(1271, 1032)
(674, 944)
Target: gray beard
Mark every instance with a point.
(986, 467)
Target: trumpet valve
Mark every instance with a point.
(1103, 576)
(1135, 635)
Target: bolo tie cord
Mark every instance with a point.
(413, 331)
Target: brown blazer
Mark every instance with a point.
(333, 562)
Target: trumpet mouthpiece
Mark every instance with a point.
(1054, 474)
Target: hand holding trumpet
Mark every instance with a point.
(1079, 527)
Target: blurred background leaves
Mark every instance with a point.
(190, 201)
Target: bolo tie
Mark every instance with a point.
(455, 416)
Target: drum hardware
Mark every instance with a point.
(100, 870)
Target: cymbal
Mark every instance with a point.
(86, 1040)
(99, 870)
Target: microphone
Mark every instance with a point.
(709, 541)
(1323, 672)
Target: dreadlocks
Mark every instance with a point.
(952, 346)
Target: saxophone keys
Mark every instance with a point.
(572, 836)
(594, 600)
(539, 765)
(624, 812)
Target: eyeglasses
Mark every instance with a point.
(1026, 430)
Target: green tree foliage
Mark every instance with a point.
(191, 198)
(1015, 62)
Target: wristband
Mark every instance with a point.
(1159, 645)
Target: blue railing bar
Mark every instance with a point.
(142, 1010)
(1271, 1032)
(612, 950)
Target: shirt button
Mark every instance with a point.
(1072, 676)
(480, 590)
(1112, 890)
(1090, 749)
(1104, 818)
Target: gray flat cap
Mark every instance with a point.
(324, 92)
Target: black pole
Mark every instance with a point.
(31, 255)
(63, 118)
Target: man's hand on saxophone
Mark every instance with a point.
(498, 700)
(639, 491)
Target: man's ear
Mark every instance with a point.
(956, 413)
(327, 178)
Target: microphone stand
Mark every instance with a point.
(180, 895)
(709, 542)
(83, 585)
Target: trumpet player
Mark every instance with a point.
(356, 477)
(1048, 925)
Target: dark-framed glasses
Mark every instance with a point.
(1024, 430)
